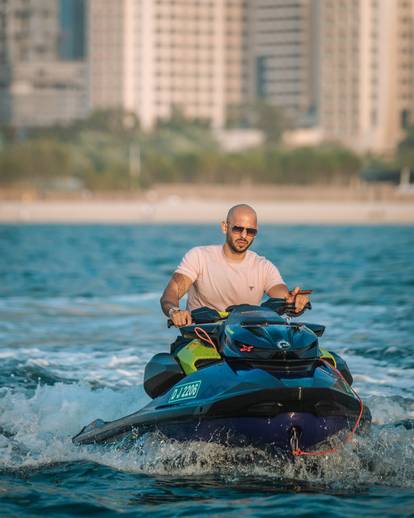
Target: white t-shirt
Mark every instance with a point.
(219, 282)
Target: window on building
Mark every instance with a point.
(405, 119)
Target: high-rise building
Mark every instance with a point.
(283, 56)
(107, 53)
(345, 67)
(5, 68)
(154, 56)
(366, 71)
(36, 87)
(386, 61)
(237, 41)
(338, 38)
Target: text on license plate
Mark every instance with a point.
(185, 391)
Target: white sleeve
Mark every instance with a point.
(190, 264)
(272, 276)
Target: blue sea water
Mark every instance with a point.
(80, 317)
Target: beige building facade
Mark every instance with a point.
(387, 73)
(283, 56)
(156, 56)
(366, 72)
(339, 97)
(341, 68)
(36, 87)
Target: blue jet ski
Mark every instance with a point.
(245, 377)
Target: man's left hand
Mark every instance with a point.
(299, 300)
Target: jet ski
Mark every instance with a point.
(251, 376)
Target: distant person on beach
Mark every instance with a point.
(219, 276)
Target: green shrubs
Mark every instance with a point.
(97, 153)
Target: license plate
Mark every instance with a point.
(185, 391)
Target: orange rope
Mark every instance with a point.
(199, 331)
(298, 452)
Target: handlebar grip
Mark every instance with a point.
(289, 309)
(170, 323)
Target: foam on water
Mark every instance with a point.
(38, 427)
(37, 430)
(122, 367)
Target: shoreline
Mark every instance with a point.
(176, 209)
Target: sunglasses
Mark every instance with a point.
(251, 232)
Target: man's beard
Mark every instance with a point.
(237, 250)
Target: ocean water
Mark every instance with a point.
(80, 317)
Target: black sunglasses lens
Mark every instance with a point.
(239, 230)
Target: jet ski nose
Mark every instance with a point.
(91, 427)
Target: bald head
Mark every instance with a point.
(240, 229)
(241, 211)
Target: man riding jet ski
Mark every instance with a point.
(224, 276)
(246, 375)
(219, 276)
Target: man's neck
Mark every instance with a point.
(231, 255)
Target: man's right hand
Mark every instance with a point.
(299, 298)
(181, 318)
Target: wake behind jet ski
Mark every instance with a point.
(246, 377)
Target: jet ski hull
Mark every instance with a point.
(243, 413)
(272, 433)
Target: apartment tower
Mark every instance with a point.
(366, 71)
(37, 88)
(283, 54)
(156, 56)
(344, 67)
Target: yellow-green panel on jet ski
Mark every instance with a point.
(326, 355)
(194, 351)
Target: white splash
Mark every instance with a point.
(37, 431)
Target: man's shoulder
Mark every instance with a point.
(206, 249)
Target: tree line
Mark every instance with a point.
(109, 151)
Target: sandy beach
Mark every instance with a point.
(175, 209)
(207, 204)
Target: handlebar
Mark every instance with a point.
(289, 309)
(278, 305)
